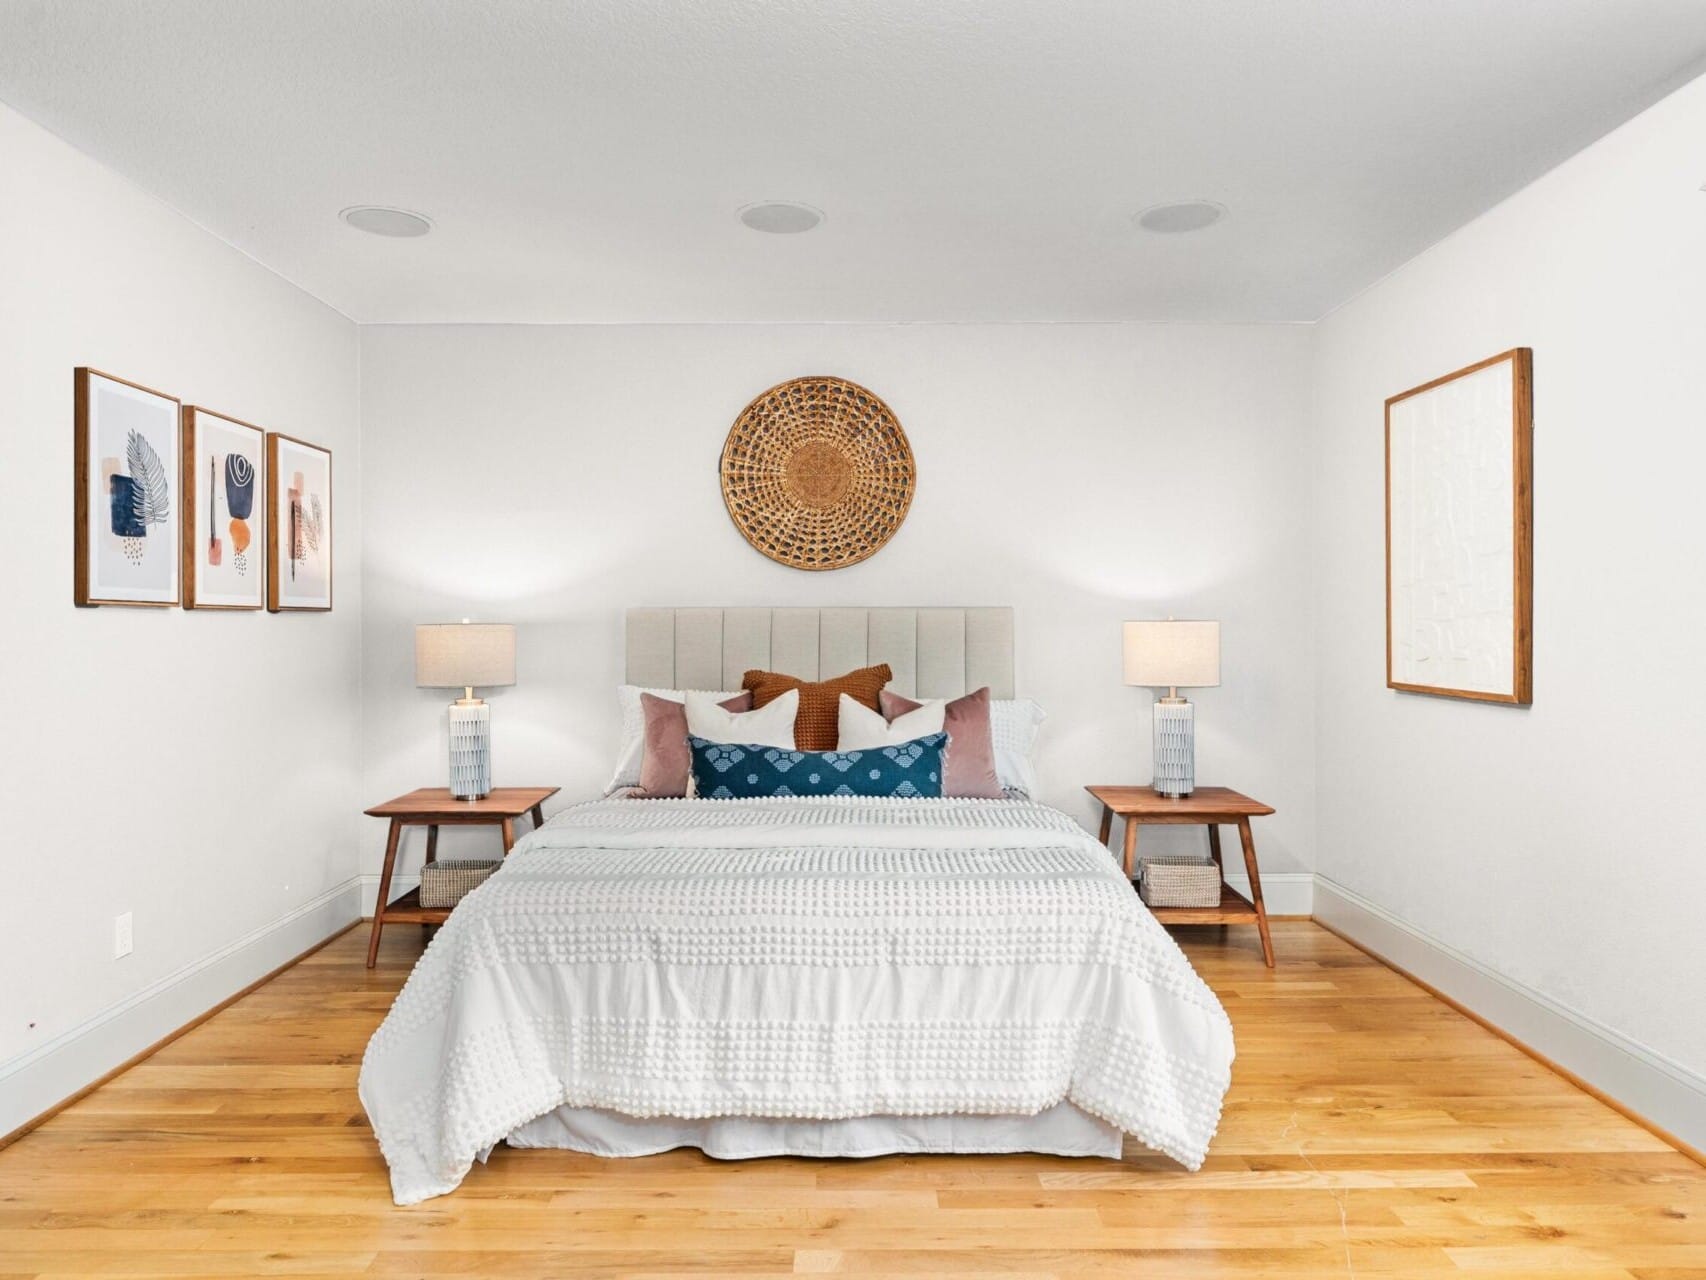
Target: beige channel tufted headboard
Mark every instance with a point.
(935, 653)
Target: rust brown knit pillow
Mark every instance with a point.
(815, 725)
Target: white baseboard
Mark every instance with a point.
(39, 1080)
(1284, 893)
(1663, 1092)
(400, 884)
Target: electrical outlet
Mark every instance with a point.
(121, 936)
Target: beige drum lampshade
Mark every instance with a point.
(1172, 654)
(464, 655)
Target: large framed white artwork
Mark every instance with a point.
(127, 503)
(299, 525)
(224, 512)
(1460, 533)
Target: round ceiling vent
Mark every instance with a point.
(781, 217)
(380, 220)
(1186, 215)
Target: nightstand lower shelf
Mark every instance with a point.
(1234, 908)
(408, 910)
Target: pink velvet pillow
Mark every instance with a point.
(971, 746)
(664, 765)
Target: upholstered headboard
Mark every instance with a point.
(935, 653)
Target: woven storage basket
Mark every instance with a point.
(1178, 882)
(444, 884)
(817, 473)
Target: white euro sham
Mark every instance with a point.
(631, 743)
(1013, 725)
(858, 728)
(771, 725)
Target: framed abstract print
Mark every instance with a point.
(1460, 533)
(127, 504)
(299, 525)
(224, 512)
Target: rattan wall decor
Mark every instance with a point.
(817, 473)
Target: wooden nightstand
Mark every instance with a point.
(432, 808)
(1206, 807)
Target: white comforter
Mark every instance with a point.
(805, 958)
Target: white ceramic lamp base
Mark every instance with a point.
(1175, 748)
(470, 750)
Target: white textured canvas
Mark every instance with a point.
(1453, 539)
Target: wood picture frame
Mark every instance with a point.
(228, 570)
(125, 536)
(299, 525)
(1460, 533)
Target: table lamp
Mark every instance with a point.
(1173, 655)
(466, 655)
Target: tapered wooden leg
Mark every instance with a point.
(1255, 874)
(1130, 848)
(538, 816)
(384, 891)
(1214, 845)
(431, 856)
(1107, 825)
(509, 835)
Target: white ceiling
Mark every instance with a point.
(978, 159)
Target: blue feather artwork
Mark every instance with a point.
(139, 499)
(151, 497)
(129, 543)
(125, 522)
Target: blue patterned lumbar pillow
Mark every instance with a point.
(735, 771)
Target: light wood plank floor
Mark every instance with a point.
(1370, 1130)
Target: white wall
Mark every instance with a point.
(554, 476)
(204, 771)
(1554, 849)
(198, 770)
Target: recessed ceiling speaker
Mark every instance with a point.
(380, 220)
(781, 217)
(1186, 215)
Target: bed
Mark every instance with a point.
(826, 976)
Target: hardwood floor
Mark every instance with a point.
(1371, 1130)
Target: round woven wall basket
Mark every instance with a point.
(817, 473)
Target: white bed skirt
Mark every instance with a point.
(1062, 1130)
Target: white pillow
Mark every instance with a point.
(858, 728)
(631, 748)
(771, 725)
(1013, 725)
